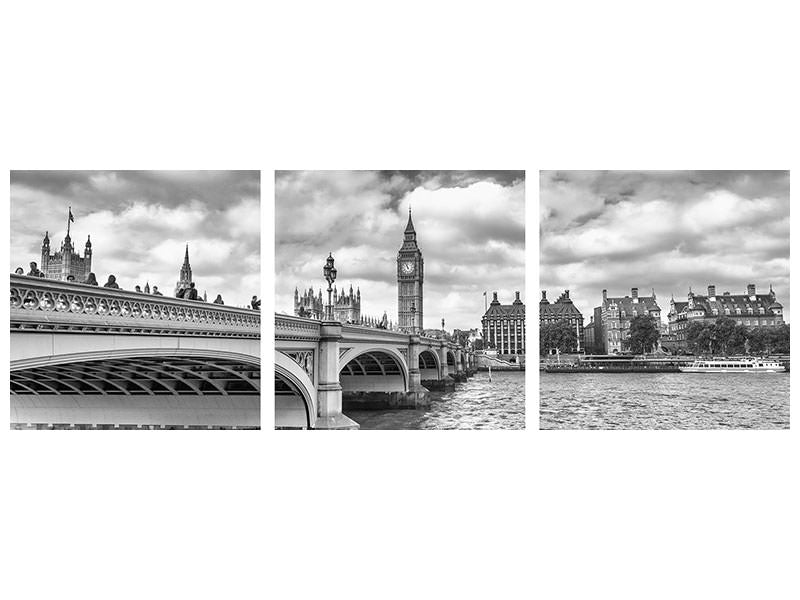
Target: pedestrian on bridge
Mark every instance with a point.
(191, 293)
(255, 303)
(91, 279)
(218, 299)
(35, 272)
(138, 289)
(111, 283)
(156, 292)
(19, 271)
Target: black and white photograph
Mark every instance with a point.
(399, 300)
(135, 300)
(665, 300)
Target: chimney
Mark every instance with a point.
(605, 295)
(712, 291)
(634, 292)
(751, 289)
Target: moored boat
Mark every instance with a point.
(734, 365)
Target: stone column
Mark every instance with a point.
(329, 390)
(417, 395)
(443, 358)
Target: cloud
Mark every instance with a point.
(667, 230)
(140, 222)
(470, 227)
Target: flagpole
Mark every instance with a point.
(69, 215)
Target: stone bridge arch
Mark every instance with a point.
(357, 365)
(430, 366)
(295, 395)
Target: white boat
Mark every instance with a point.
(735, 365)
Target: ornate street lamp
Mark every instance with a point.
(330, 276)
(413, 318)
(442, 327)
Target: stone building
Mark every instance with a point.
(65, 262)
(612, 319)
(410, 276)
(589, 337)
(346, 306)
(185, 275)
(562, 309)
(504, 327)
(749, 309)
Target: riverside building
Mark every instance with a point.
(504, 327)
(749, 309)
(563, 309)
(612, 319)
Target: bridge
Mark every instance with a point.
(319, 365)
(91, 357)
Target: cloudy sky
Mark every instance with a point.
(140, 222)
(470, 228)
(664, 230)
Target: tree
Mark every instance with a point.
(643, 335)
(724, 328)
(559, 336)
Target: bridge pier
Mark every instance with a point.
(329, 390)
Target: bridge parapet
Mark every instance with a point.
(296, 328)
(46, 305)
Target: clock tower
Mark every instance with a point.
(409, 281)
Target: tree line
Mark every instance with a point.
(721, 337)
(725, 337)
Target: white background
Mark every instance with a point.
(489, 85)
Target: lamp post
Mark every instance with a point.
(413, 318)
(330, 276)
(443, 328)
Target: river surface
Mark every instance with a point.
(474, 404)
(664, 401)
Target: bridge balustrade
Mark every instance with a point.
(48, 304)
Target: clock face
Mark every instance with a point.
(407, 268)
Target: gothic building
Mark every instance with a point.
(410, 276)
(504, 327)
(185, 276)
(562, 309)
(346, 306)
(749, 309)
(612, 319)
(65, 262)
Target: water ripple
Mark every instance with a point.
(664, 401)
(474, 404)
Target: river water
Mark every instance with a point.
(474, 404)
(664, 401)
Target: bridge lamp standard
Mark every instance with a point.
(330, 276)
(413, 318)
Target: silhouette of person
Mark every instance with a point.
(35, 272)
(138, 289)
(91, 279)
(112, 283)
(255, 303)
(180, 293)
(191, 293)
(218, 299)
(19, 271)
(156, 292)
(70, 277)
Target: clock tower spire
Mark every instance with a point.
(409, 281)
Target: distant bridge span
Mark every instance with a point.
(320, 363)
(86, 356)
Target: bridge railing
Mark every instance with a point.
(49, 304)
(290, 327)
